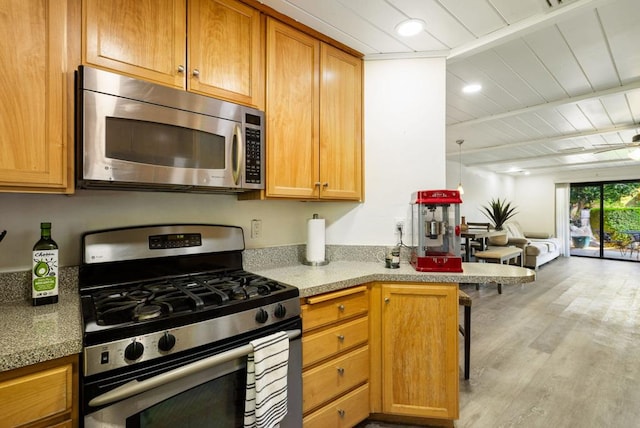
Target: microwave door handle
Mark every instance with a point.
(135, 387)
(237, 154)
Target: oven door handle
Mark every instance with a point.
(135, 387)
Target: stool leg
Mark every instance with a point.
(467, 340)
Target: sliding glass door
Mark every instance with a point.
(605, 220)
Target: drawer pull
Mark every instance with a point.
(341, 413)
(341, 337)
(387, 300)
(341, 371)
(341, 308)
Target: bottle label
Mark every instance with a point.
(45, 273)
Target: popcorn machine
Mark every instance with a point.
(436, 231)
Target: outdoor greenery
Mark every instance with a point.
(621, 209)
(498, 211)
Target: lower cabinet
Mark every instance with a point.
(344, 412)
(41, 395)
(389, 350)
(335, 358)
(415, 358)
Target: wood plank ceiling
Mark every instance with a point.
(560, 78)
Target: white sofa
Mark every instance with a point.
(538, 248)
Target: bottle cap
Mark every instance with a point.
(45, 225)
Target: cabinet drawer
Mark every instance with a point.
(329, 308)
(345, 412)
(35, 396)
(326, 343)
(330, 380)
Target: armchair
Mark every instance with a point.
(537, 247)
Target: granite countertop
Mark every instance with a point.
(30, 335)
(33, 334)
(312, 280)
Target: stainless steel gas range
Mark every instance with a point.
(168, 316)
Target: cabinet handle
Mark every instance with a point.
(341, 337)
(341, 413)
(341, 308)
(387, 300)
(317, 184)
(181, 69)
(196, 72)
(341, 371)
(325, 184)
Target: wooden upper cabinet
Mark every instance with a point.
(220, 55)
(36, 102)
(314, 118)
(145, 39)
(226, 49)
(292, 112)
(340, 125)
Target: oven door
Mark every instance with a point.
(204, 393)
(125, 141)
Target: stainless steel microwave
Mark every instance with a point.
(137, 135)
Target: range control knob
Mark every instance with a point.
(262, 316)
(166, 342)
(134, 350)
(280, 311)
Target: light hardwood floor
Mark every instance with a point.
(563, 351)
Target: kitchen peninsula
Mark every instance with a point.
(374, 337)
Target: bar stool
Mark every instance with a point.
(465, 300)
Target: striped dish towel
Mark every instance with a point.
(266, 395)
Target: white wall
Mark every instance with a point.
(535, 198)
(480, 186)
(404, 116)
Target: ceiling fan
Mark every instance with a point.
(635, 142)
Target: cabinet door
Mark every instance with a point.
(292, 112)
(420, 350)
(144, 39)
(36, 114)
(45, 394)
(225, 47)
(340, 125)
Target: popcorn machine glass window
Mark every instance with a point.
(436, 231)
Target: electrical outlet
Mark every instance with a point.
(256, 229)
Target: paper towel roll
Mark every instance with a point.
(315, 240)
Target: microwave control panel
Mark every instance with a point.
(253, 156)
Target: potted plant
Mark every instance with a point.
(498, 211)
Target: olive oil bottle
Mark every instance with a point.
(44, 275)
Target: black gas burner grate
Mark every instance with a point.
(165, 297)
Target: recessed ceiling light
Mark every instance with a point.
(410, 27)
(472, 88)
